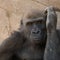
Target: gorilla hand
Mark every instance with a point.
(51, 19)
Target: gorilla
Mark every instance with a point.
(31, 41)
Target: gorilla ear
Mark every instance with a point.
(45, 12)
(21, 22)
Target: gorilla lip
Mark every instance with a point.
(36, 38)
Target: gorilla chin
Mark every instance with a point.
(36, 39)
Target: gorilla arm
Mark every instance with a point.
(9, 46)
(51, 50)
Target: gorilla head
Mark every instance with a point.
(34, 24)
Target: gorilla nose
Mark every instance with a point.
(36, 32)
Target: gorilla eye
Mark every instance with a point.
(40, 22)
(29, 23)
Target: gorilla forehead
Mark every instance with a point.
(33, 15)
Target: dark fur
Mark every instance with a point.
(18, 46)
(52, 50)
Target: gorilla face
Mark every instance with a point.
(35, 29)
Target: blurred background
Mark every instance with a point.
(11, 12)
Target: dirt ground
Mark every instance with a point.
(11, 12)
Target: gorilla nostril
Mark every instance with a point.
(38, 31)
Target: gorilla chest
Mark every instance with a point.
(30, 54)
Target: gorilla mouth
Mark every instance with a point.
(35, 37)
